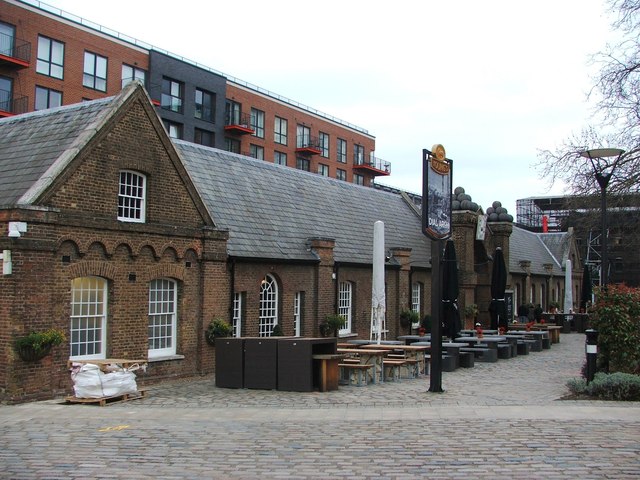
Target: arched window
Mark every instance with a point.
(268, 305)
(162, 317)
(88, 318)
(345, 305)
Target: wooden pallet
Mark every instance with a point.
(102, 401)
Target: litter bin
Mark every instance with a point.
(566, 324)
(229, 362)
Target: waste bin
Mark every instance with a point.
(566, 323)
(229, 362)
(261, 363)
(297, 370)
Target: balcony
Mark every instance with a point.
(308, 145)
(239, 124)
(14, 52)
(12, 106)
(375, 166)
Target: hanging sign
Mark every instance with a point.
(436, 193)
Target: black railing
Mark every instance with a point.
(308, 141)
(15, 105)
(13, 47)
(373, 162)
(238, 119)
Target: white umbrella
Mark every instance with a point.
(378, 300)
(568, 294)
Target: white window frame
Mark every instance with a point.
(132, 197)
(416, 300)
(345, 305)
(297, 314)
(163, 317)
(88, 322)
(236, 322)
(268, 306)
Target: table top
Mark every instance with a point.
(486, 338)
(407, 348)
(362, 351)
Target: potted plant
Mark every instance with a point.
(332, 324)
(277, 331)
(470, 313)
(425, 325)
(37, 345)
(217, 328)
(409, 319)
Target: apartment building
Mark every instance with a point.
(50, 58)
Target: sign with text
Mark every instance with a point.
(437, 179)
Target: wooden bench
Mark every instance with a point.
(359, 371)
(392, 368)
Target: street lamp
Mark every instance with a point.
(603, 170)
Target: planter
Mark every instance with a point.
(29, 354)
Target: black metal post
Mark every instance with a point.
(591, 348)
(436, 316)
(603, 181)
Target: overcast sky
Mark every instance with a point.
(492, 81)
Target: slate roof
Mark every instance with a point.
(35, 146)
(271, 211)
(539, 248)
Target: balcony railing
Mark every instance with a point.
(12, 105)
(239, 123)
(14, 51)
(375, 165)
(306, 144)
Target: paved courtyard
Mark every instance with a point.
(496, 420)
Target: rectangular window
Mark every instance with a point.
(323, 170)
(88, 318)
(236, 322)
(162, 317)
(256, 151)
(280, 131)
(129, 74)
(131, 197)
(233, 113)
(298, 301)
(232, 145)
(358, 155)
(50, 57)
(257, 122)
(7, 40)
(302, 164)
(342, 151)
(203, 137)
(172, 95)
(416, 300)
(341, 174)
(47, 98)
(303, 136)
(344, 305)
(205, 106)
(324, 144)
(6, 94)
(358, 179)
(95, 72)
(280, 158)
(173, 129)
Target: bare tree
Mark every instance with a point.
(616, 116)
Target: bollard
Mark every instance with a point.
(592, 353)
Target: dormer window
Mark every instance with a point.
(131, 197)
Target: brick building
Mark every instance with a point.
(131, 243)
(49, 58)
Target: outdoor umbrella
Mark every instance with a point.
(587, 291)
(378, 300)
(568, 288)
(450, 290)
(498, 308)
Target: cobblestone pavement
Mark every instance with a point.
(496, 420)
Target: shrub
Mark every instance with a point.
(37, 345)
(217, 328)
(408, 318)
(332, 324)
(616, 317)
(277, 331)
(614, 386)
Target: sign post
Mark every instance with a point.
(437, 179)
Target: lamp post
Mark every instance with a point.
(603, 170)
